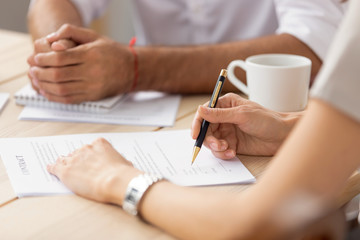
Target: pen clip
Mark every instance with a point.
(215, 94)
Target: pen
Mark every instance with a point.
(205, 124)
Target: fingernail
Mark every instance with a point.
(32, 72)
(34, 79)
(58, 45)
(214, 145)
(42, 92)
(36, 82)
(36, 59)
(229, 153)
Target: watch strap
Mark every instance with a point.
(136, 189)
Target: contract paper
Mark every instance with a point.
(140, 109)
(168, 153)
(3, 100)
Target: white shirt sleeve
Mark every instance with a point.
(90, 9)
(314, 22)
(338, 82)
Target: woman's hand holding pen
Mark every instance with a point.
(240, 126)
(94, 67)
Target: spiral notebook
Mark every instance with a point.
(29, 97)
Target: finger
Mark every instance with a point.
(61, 58)
(226, 104)
(226, 155)
(57, 167)
(61, 160)
(101, 142)
(219, 115)
(215, 144)
(231, 100)
(102, 145)
(52, 169)
(77, 34)
(63, 89)
(31, 60)
(79, 151)
(227, 134)
(34, 82)
(68, 99)
(42, 45)
(63, 44)
(57, 74)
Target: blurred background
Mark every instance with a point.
(116, 22)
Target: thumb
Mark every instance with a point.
(77, 34)
(218, 115)
(63, 44)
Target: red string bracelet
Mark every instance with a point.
(136, 63)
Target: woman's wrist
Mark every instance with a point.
(116, 184)
(290, 119)
(136, 189)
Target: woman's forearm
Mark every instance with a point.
(323, 147)
(310, 170)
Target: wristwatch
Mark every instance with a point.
(136, 189)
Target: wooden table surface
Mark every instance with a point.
(70, 216)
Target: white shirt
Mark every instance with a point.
(186, 22)
(338, 82)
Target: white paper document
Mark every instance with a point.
(3, 100)
(168, 153)
(141, 109)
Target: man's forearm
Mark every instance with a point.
(195, 69)
(46, 16)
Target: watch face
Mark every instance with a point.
(131, 197)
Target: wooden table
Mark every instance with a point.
(70, 216)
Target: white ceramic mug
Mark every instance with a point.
(276, 81)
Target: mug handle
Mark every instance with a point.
(233, 79)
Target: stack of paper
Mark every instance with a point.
(141, 108)
(168, 153)
(3, 100)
